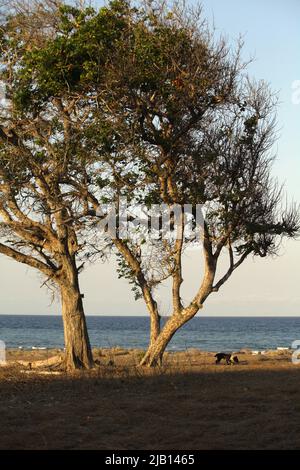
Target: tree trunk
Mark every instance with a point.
(154, 354)
(181, 315)
(77, 344)
(154, 333)
(154, 327)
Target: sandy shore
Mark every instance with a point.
(190, 403)
(130, 357)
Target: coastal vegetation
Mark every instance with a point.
(142, 102)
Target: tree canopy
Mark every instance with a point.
(144, 102)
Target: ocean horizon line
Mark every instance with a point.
(147, 316)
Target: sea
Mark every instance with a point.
(205, 333)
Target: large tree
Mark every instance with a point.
(196, 131)
(43, 147)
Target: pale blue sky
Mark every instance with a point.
(261, 287)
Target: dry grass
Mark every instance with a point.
(188, 404)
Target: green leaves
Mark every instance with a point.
(74, 58)
(124, 271)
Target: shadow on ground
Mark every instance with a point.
(122, 408)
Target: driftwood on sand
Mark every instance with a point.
(49, 362)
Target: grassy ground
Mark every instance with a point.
(190, 403)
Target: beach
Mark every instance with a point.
(189, 403)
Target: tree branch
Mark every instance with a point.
(232, 267)
(27, 259)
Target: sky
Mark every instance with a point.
(271, 33)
